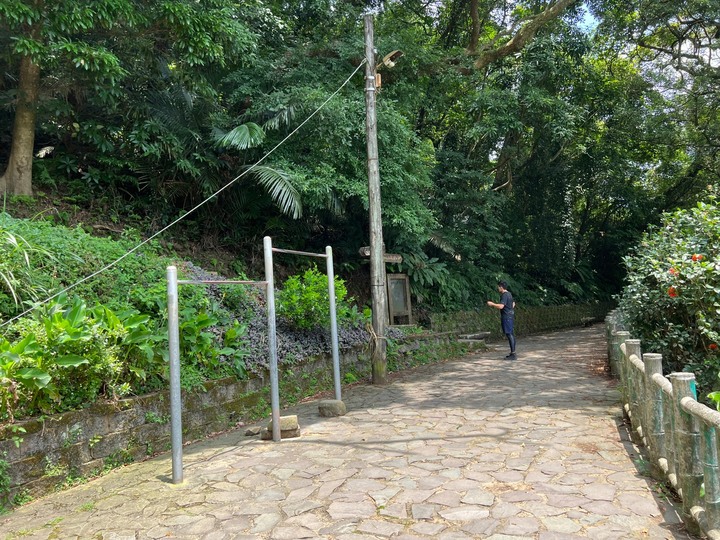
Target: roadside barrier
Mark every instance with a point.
(679, 434)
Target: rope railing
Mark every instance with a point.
(680, 434)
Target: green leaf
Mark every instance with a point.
(242, 137)
(71, 360)
(40, 377)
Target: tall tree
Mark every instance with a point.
(45, 33)
(88, 40)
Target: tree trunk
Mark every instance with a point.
(503, 172)
(17, 179)
(475, 30)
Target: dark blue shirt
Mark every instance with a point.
(507, 311)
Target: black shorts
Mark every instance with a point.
(508, 325)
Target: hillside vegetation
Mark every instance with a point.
(106, 337)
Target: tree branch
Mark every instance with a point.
(524, 35)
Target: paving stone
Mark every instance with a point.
(423, 511)
(479, 496)
(562, 500)
(465, 513)
(503, 510)
(446, 498)
(265, 522)
(639, 505)
(380, 528)
(560, 524)
(299, 507)
(398, 511)
(523, 526)
(553, 535)
(466, 449)
(481, 527)
(599, 492)
(604, 508)
(342, 510)
(430, 529)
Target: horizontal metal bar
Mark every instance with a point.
(293, 252)
(217, 282)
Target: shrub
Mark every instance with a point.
(68, 355)
(672, 297)
(305, 301)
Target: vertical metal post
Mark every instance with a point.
(333, 321)
(272, 339)
(175, 394)
(687, 444)
(377, 263)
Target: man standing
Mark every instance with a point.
(507, 316)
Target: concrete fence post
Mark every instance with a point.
(637, 388)
(622, 368)
(687, 443)
(615, 355)
(655, 430)
(711, 473)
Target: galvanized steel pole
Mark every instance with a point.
(377, 263)
(333, 321)
(272, 339)
(175, 392)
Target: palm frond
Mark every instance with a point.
(280, 188)
(440, 242)
(241, 137)
(283, 117)
(335, 203)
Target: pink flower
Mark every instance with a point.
(673, 272)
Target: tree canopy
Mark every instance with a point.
(529, 140)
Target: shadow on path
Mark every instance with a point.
(477, 447)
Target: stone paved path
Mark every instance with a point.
(472, 448)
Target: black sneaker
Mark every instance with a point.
(511, 356)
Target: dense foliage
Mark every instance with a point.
(533, 141)
(540, 160)
(107, 337)
(672, 298)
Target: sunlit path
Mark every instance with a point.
(478, 447)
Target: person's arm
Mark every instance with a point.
(493, 304)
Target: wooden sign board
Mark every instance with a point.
(393, 258)
(399, 306)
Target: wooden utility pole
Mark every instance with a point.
(377, 264)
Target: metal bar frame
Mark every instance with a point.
(218, 282)
(174, 346)
(333, 309)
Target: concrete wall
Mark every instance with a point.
(528, 320)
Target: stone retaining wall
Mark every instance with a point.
(528, 320)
